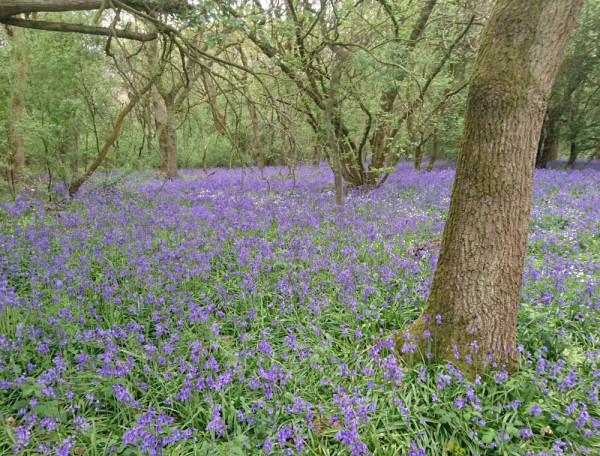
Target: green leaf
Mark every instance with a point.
(489, 436)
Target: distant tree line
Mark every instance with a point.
(170, 85)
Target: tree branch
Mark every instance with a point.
(77, 28)
(12, 7)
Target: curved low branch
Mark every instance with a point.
(77, 28)
(12, 7)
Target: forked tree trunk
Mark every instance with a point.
(220, 120)
(477, 280)
(18, 84)
(160, 122)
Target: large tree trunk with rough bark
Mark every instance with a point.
(18, 84)
(477, 281)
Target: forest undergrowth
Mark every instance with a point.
(213, 316)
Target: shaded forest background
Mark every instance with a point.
(258, 84)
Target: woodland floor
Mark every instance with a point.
(207, 316)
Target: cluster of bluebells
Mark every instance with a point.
(215, 311)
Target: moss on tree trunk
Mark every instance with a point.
(477, 281)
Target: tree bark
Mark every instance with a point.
(418, 157)
(164, 119)
(166, 133)
(477, 280)
(18, 85)
(573, 152)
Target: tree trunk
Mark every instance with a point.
(419, 154)
(256, 146)
(75, 155)
(434, 152)
(85, 153)
(336, 76)
(167, 144)
(550, 142)
(572, 155)
(164, 121)
(554, 149)
(477, 280)
(160, 121)
(166, 134)
(18, 85)
(315, 158)
(412, 139)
